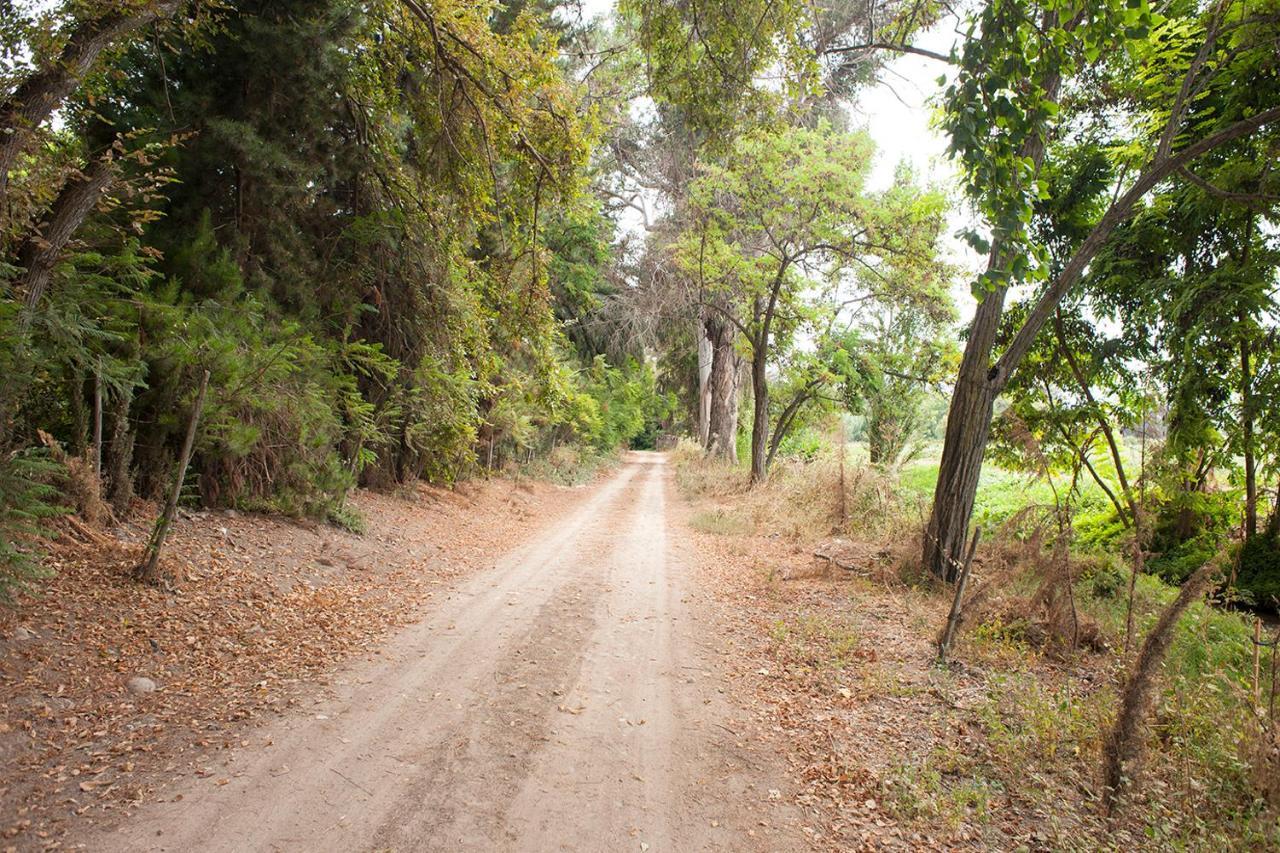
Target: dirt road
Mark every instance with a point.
(568, 699)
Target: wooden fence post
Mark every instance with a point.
(953, 619)
(148, 570)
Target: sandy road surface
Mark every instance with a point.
(567, 699)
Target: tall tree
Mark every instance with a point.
(94, 28)
(1005, 105)
(786, 233)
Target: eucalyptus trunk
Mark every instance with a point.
(703, 405)
(760, 415)
(722, 431)
(968, 428)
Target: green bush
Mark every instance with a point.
(1107, 580)
(1179, 562)
(804, 444)
(26, 500)
(1258, 577)
(1099, 529)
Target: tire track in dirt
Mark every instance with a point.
(565, 700)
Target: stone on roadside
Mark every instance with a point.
(140, 684)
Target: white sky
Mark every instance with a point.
(898, 113)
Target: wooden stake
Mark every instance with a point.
(953, 619)
(844, 501)
(1257, 655)
(148, 570)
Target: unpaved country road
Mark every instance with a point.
(568, 699)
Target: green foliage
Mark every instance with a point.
(1107, 581)
(806, 443)
(1101, 529)
(1006, 96)
(705, 58)
(783, 235)
(909, 352)
(26, 499)
(1258, 575)
(367, 221)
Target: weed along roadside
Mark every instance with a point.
(836, 631)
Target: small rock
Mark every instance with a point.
(140, 684)
(22, 634)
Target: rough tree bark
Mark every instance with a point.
(965, 442)
(47, 87)
(704, 385)
(763, 311)
(760, 414)
(722, 427)
(43, 249)
(120, 455)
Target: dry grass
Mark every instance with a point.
(1003, 749)
(800, 500)
(1028, 587)
(80, 484)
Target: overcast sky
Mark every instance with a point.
(898, 113)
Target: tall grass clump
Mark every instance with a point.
(809, 496)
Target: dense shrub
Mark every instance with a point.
(26, 500)
(1258, 575)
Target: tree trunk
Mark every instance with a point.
(79, 413)
(43, 249)
(788, 418)
(1273, 520)
(1246, 432)
(120, 456)
(705, 356)
(760, 413)
(965, 442)
(722, 432)
(980, 381)
(149, 570)
(97, 422)
(40, 94)
(1124, 742)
